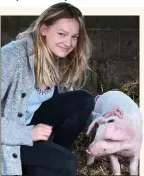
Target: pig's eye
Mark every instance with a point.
(108, 140)
(110, 121)
(104, 150)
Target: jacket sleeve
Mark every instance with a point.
(15, 134)
(12, 133)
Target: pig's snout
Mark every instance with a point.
(96, 150)
(87, 151)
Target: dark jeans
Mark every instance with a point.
(67, 113)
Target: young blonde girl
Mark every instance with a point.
(39, 124)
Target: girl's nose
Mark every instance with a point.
(68, 42)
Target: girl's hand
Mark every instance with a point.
(41, 132)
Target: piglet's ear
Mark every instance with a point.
(96, 98)
(91, 126)
(115, 111)
(119, 131)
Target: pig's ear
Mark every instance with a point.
(96, 98)
(91, 126)
(118, 131)
(115, 111)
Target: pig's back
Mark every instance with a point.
(110, 99)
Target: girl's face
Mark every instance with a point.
(62, 36)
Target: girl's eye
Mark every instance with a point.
(62, 34)
(75, 37)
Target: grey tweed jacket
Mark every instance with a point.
(18, 81)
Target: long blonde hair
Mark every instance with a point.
(69, 71)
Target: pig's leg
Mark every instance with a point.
(90, 159)
(133, 168)
(115, 165)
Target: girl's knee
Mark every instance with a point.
(87, 99)
(72, 164)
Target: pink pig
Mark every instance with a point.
(118, 131)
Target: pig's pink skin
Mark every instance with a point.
(103, 148)
(130, 126)
(121, 130)
(125, 142)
